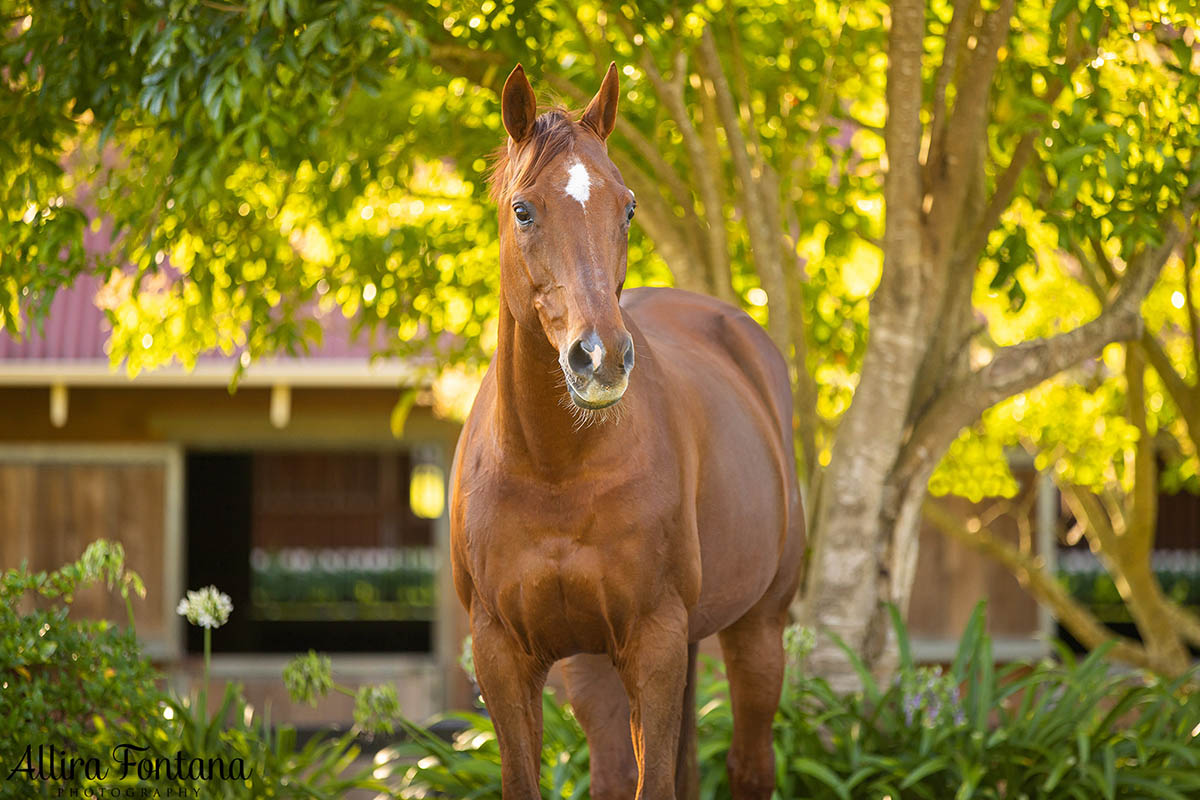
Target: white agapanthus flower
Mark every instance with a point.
(207, 607)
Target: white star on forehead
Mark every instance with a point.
(579, 185)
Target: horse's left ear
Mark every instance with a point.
(601, 114)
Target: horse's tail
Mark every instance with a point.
(687, 767)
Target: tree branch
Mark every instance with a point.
(902, 185)
(848, 577)
(1031, 572)
(1140, 530)
(1091, 273)
(601, 51)
(780, 271)
(955, 168)
(717, 250)
(763, 231)
(1020, 367)
(1186, 398)
(1124, 550)
(673, 238)
(1193, 312)
(1099, 275)
(955, 34)
(998, 203)
(1185, 621)
(954, 179)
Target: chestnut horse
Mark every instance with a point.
(615, 518)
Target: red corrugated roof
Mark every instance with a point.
(74, 334)
(76, 329)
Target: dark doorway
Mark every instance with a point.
(317, 549)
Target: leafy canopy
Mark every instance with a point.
(265, 163)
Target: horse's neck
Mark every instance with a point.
(533, 423)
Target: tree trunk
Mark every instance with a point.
(917, 389)
(848, 575)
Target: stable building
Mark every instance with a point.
(291, 494)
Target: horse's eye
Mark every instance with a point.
(629, 209)
(523, 214)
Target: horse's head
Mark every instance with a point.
(564, 223)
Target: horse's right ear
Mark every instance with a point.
(518, 106)
(601, 113)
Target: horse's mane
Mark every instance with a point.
(553, 132)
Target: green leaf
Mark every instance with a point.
(254, 62)
(1113, 168)
(905, 650)
(864, 675)
(929, 767)
(210, 96)
(275, 9)
(1056, 775)
(401, 410)
(985, 686)
(823, 774)
(311, 35)
(1072, 155)
(968, 645)
(1061, 9)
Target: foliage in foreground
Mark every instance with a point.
(1043, 730)
(85, 686)
(69, 682)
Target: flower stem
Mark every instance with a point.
(207, 662)
(129, 611)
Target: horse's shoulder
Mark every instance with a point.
(717, 341)
(689, 311)
(674, 317)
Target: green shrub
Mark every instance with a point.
(85, 688)
(1042, 730)
(469, 767)
(1063, 729)
(79, 685)
(274, 763)
(1085, 578)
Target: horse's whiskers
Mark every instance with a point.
(588, 417)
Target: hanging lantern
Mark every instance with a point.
(427, 491)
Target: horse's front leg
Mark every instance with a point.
(653, 665)
(511, 682)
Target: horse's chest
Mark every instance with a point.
(566, 576)
(560, 598)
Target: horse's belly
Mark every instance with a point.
(742, 520)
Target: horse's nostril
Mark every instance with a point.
(579, 357)
(627, 353)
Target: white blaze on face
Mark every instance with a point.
(579, 184)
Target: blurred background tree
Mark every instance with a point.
(258, 162)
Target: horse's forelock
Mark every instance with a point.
(553, 133)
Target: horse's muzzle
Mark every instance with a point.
(597, 377)
(595, 397)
